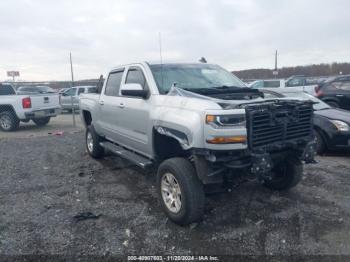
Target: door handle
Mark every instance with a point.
(101, 103)
(339, 95)
(121, 105)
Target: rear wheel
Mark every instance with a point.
(41, 121)
(8, 121)
(180, 191)
(285, 175)
(93, 143)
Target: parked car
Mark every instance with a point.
(335, 92)
(331, 124)
(24, 90)
(268, 83)
(199, 126)
(15, 108)
(70, 98)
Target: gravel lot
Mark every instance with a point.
(46, 180)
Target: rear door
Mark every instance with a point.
(110, 107)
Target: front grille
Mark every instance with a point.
(278, 123)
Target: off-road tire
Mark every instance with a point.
(96, 151)
(12, 121)
(320, 143)
(192, 193)
(43, 121)
(285, 175)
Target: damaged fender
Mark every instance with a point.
(178, 135)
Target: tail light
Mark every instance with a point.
(26, 102)
(317, 88)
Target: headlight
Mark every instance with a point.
(226, 121)
(340, 125)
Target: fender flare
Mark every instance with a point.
(180, 136)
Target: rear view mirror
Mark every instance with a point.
(134, 90)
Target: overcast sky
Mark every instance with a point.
(36, 36)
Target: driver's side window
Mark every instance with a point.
(71, 92)
(136, 76)
(295, 82)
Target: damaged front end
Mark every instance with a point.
(276, 130)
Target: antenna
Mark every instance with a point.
(160, 47)
(161, 57)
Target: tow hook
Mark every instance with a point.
(308, 156)
(261, 166)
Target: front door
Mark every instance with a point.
(134, 122)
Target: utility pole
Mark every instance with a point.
(71, 67)
(72, 84)
(275, 71)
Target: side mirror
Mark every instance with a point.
(134, 90)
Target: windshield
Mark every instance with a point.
(320, 104)
(192, 77)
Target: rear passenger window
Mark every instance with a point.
(271, 83)
(92, 90)
(80, 90)
(6, 90)
(113, 83)
(136, 76)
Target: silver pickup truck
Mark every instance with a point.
(200, 127)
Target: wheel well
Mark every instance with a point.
(4, 108)
(167, 147)
(87, 117)
(326, 100)
(323, 135)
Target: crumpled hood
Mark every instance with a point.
(175, 91)
(224, 104)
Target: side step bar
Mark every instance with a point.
(138, 160)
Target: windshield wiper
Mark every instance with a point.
(226, 87)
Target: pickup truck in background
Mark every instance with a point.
(15, 108)
(293, 84)
(201, 128)
(70, 98)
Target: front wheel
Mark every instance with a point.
(180, 191)
(285, 175)
(41, 121)
(93, 143)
